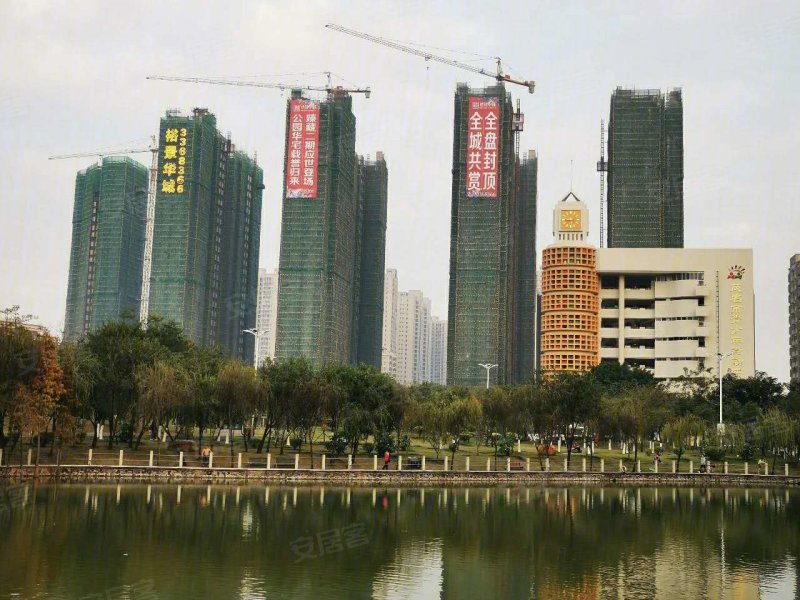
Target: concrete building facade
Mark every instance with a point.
(672, 311)
(413, 338)
(391, 318)
(266, 315)
(438, 351)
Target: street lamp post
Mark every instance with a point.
(254, 332)
(720, 358)
(488, 368)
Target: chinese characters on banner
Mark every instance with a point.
(483, 147)
(303, 149)
(173, 169)
(736, 326)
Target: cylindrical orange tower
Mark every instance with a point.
(570, 293)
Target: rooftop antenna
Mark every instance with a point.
(570, 175)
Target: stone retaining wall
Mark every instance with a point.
(86, 473)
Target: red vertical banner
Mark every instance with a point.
(302, 157)
(483, 147)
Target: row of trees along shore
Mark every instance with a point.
(137, 381)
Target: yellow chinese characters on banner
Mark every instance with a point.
(173, 169)
(736, 342)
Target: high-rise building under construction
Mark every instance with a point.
(108, 236)
(492, 243)
(330, 299)
(206, 233)
(373, 188)
(645, 169)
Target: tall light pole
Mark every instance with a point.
(254, 332)
(488, 368)
(720, 358)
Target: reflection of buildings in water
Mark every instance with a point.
(415, 572)
(684, 571)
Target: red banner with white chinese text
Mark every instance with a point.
(302, 155)
(483, 147)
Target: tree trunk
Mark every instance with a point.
(141, 434)
(635, 453)
(570, 443)
(263, 438)
(200, 429)
(94, 436)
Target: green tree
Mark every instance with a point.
(237, 393)
(679, 431)
(575, 398)
(162, 390)
(19, 358)
(775, 433)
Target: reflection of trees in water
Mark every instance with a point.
(512, 542)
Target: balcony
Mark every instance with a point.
(640, 294)
(640, 352)
(609, 353)
(640, 313)
(702, 332)
(609, 293)
(640, 333)
(609, 332)
(702, 352)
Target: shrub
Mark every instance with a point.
(337, 445)
(747, 452)
(506, 445)
(296, 443)
(715, 453)
(369, 448)
(405, 444)
(384, 441)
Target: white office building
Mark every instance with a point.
(390, 322)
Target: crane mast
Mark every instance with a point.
(498, 75)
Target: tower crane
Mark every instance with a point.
(151, 212)
(330, 89)
(499, 75)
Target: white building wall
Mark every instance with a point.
(438, 351)
(681, 307)
(266, 315)
(413, 338)
(390, 323)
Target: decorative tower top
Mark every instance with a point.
(571, 220)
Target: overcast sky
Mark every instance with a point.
(73, 79)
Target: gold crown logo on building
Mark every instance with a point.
(736, 272)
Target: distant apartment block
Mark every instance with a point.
(266, 315)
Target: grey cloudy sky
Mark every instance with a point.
(72, 78)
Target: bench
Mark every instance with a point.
(259, 463)
(282, 462)
(517, 465)
(412, 462)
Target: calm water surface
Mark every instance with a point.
(138, 542)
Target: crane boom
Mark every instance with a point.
(499, 75)
(262, 84)
(100, 154)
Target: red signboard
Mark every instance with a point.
(483, 147)
(302, 157)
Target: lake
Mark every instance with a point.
(137, 542)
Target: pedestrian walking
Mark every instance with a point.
(386, 460)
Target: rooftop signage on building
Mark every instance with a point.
(174, 150)
(483, 146)
(302, 158)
